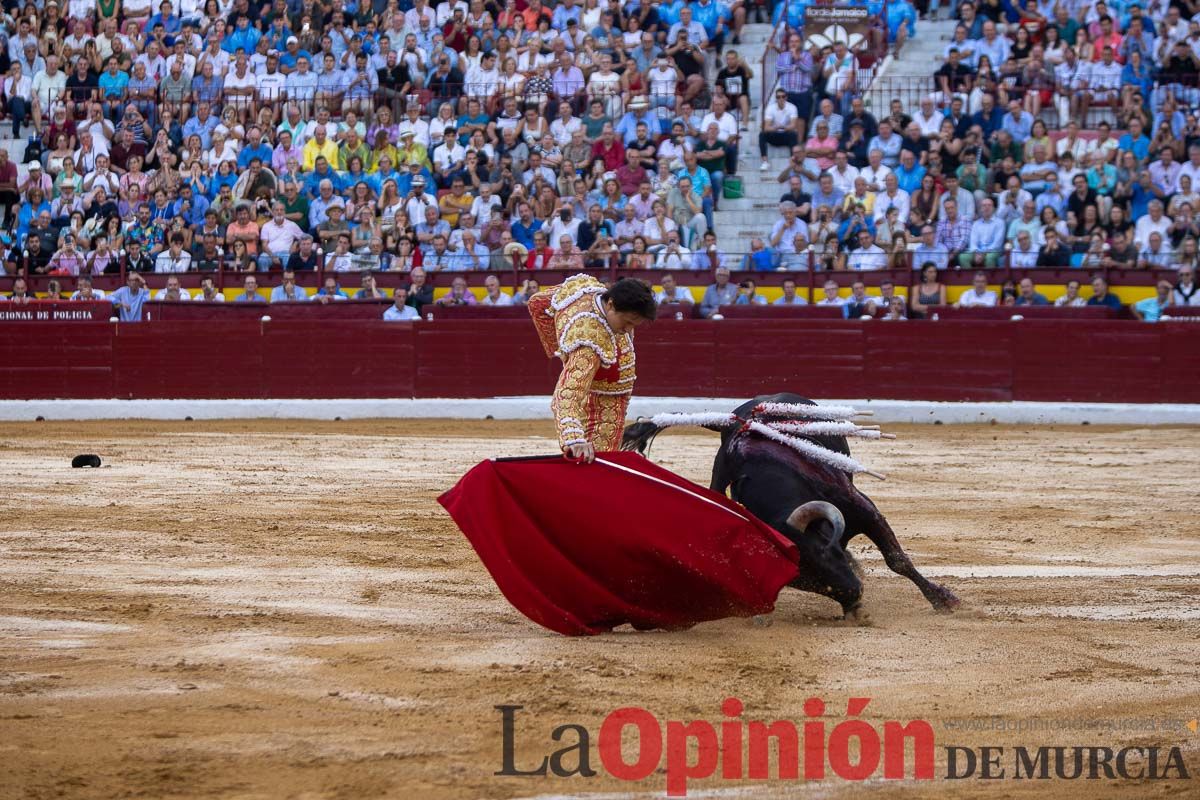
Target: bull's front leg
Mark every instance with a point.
(721, 474)
(872, 524)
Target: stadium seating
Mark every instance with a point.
(210, 154)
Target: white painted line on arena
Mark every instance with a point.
(1108, 613)
(538, 407)
(1047, 571)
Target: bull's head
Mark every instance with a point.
(825, 567)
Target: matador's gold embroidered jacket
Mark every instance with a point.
(598, 364)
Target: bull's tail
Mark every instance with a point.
(640, 435)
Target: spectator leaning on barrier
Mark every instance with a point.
(84, 290)
(1151, 309)
(830, 294)
(250, 291)
(208, 292)
(858, 304)
(493, 295)
(1186, 292)
(720, 293)
(748, 295)
(789, 296)
(459, 294)
(979, 294)
(288, 291)
(172, 292)
(1101, 296)
(129, 299)
(400, 310)
(20, 293)
(1028, 295)
(673, 293)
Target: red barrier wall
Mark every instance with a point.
(156, 311)
(1104, 361)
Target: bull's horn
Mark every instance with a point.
(817, 509)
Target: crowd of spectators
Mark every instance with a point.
(252, 135)
(969, 174)
(401, 135)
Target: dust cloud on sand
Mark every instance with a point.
(265, 609)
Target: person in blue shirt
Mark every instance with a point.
(1170, 114)
(190, 206)
(225, 178)
(525, 226)
(887, 142)
(254, 148)
(909, 173)
(1018, 122)
(242, 37)
(564, 11)
(986, 241)
(795, 13)
(330, 291)
(668, 13)
(29, 211)
(1151, 309)
(989, 118)
(606, 35)
(1142, 192)
(1135, 141)
(1101, 296)
(827, 194)
(901, 22)
(856, 222)
(713, 16)
(322, 172)
(760, 258)
(202, 124)
(113, 82)
(278, 34)
(382, 175)
(250, 292)
(474, 118)
(291, 54)
(165, 17)
(404, 182)
(129, 299)
(748, 294)
(638, 113)
(400, 311)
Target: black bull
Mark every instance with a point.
(790, 493)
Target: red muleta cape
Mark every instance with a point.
(584, 548)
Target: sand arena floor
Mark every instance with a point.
(280, 609)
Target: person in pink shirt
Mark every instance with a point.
(822, 146)
(459, 294)
(1108, 38)
(632, 174)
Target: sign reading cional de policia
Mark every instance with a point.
(49, 311)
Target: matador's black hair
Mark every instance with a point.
(631, 295)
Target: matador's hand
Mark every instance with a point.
(583, 451)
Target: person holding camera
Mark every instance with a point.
(562, 223)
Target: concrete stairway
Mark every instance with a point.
(911, 75)
(737, 221)
(15, 147)
(907, 77)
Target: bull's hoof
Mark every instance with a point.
(762, 620)
(945, 601)
(857, 615)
